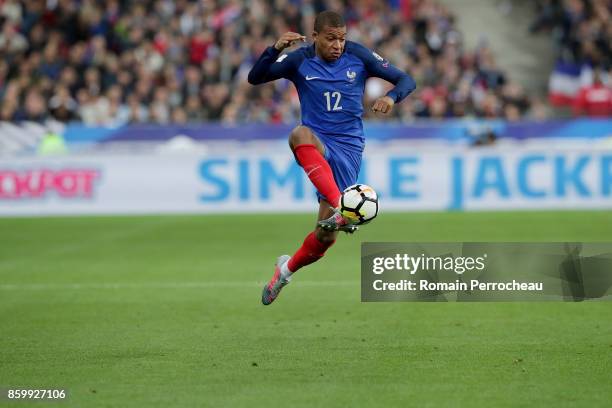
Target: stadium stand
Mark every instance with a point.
(117, 62)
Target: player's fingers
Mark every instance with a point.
(294, 36)
(385, 108)
(379, 106)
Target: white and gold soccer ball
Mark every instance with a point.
(359, 203)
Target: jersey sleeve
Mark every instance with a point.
(377, 66)
(271, 65)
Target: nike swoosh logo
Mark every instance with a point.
(309, 78)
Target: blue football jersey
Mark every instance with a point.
(331, 93)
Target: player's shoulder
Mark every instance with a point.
(358, 50)
(369, 57)
(353, 47)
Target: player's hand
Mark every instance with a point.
(288, 39)
(384, 104)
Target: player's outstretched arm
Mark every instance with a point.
(404, 86)
(270, 66)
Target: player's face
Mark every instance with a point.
(330, 42)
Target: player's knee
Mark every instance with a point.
(300, 135)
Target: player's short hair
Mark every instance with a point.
(328, 19)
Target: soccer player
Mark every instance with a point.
(330, 78)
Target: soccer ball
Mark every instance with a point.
(359, 203)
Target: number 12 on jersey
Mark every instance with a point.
(335, 96)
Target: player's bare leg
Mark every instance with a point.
(325, 212)
(301, 135)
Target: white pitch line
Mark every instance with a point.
(164, 285)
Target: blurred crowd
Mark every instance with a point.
(581, 31)
(176, 61)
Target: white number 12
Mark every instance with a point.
(336, 96)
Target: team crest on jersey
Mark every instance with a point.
(351, 75)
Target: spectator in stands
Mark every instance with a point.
(11, 40)
(62, 106)
(34, 107)
(594, 100)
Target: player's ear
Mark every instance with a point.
(314, 35)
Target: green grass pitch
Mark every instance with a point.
(165, 312)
